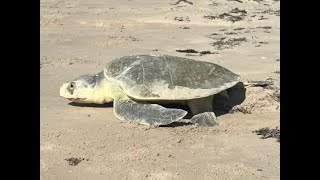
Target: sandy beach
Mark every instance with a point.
(80, 36)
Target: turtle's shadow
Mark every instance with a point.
(91, 105)
(221, 105)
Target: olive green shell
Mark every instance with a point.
(164, 77)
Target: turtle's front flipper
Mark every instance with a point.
(144, 113)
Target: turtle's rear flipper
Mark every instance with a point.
(144, 113)
(202, 111)
(207, 119)
(225, 94)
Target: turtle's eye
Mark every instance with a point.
(71, 87)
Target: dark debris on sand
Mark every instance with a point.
(238, 29)
(268, 133)
(224, 43)
(264, 27)
(230, 33)
(234, 15)
(201, 53)
(182, 19)
(74, 161)
(187, 51)
(271, 12)
(179, 1)
(207, 52)
(262, 18)
(236, 1)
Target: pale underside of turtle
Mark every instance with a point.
(136, 83)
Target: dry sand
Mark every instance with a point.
(81, 36)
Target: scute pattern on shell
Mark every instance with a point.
(169, 77)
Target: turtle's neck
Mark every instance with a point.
(103, 91)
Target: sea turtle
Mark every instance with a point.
(138, 84)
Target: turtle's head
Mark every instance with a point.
(84, 89)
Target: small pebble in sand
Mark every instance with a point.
(170, 156)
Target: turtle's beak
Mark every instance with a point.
(63, 91)
(66, 94)
(78, 95)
